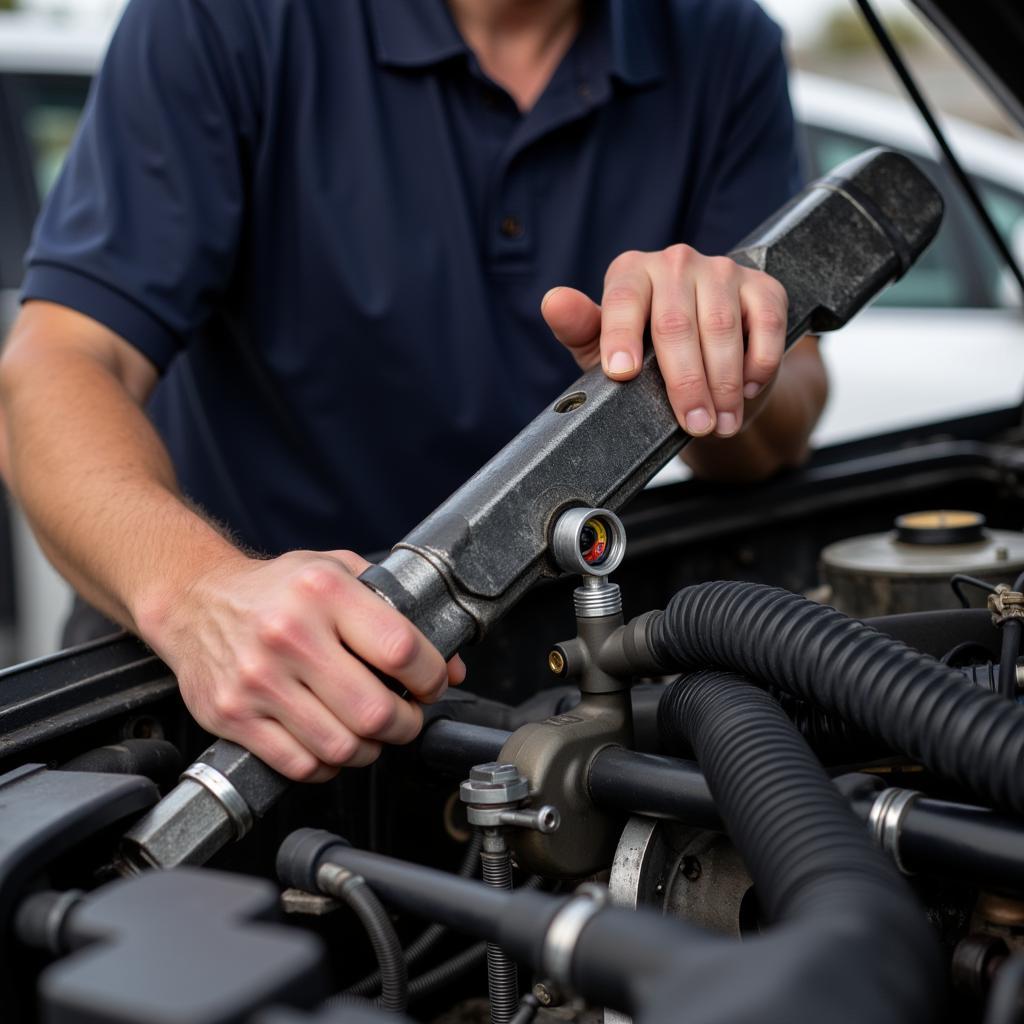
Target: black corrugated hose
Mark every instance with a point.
(812, 862)
(904, 698)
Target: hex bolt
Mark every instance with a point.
(494, 794)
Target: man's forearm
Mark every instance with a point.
(95, 481)
(778, 431)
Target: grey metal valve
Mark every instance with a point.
(834, 247)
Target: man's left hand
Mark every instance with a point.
(700, 310)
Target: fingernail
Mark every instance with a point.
(548, 294)
(752, 390)
(620, 362)
(698, 421)
(726, 424)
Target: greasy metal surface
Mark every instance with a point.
(687, 873)
(880, 575)
(834, 247)
(555, 756)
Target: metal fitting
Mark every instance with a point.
(492, 794)
(885, 820)
(565, 929)
(591, 541)
(597, 598)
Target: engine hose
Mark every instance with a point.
(352, 890)
(430, 936)
(899, 696)
(811, 860)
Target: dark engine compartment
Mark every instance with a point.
(119, 950)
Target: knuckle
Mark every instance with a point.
(228, 707)
(620, 295)
(397, 647)
(340, 748)
(720, 321)
(686, 383)
(255, 678)
(673, 325)
(769, 319)
(318, 580)
(299, 767)
(722, 267)
(763, 366)
(375, 715)
(679, 256)
(627, 260)
(727, 391)
(279, 631)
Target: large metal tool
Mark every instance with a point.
(834, 248)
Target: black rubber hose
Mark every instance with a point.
(897, 695)
(811, 859)
(352, 890)
(430, 936)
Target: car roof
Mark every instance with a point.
(35, 43)
(870, 113)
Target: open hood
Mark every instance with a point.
(989, 35)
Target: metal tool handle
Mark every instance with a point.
(834, 248)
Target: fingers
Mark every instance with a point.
(700, 308)
(575, 320)
(273, 744)
(721, 337)
(674, 331)
(385, 639)
(625, 309)
(765, 307)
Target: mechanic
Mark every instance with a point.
(290, 291)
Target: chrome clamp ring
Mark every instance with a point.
(564, 931)
(224, 792)
(886, 820)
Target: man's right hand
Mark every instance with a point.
(267, 653)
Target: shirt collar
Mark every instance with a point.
(421, 33)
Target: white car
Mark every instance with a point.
(948, 340)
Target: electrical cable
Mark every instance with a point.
(430, 936)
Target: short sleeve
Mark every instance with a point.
(141, 230)
(755, 167)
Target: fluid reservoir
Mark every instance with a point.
(908, 568)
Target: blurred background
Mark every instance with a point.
(952, 328)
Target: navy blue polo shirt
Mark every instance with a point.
(331, 232)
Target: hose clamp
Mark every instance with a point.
(224, 793)
(565, 929)
(885, 820)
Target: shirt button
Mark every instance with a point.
(511, 226)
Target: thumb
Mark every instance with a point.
(575, 320)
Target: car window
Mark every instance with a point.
(942, 277)
(1007, 210)
(48, 108)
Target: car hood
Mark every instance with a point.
(989, 35)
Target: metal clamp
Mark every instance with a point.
(565, 929)
(225, 793)
(886, 820)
